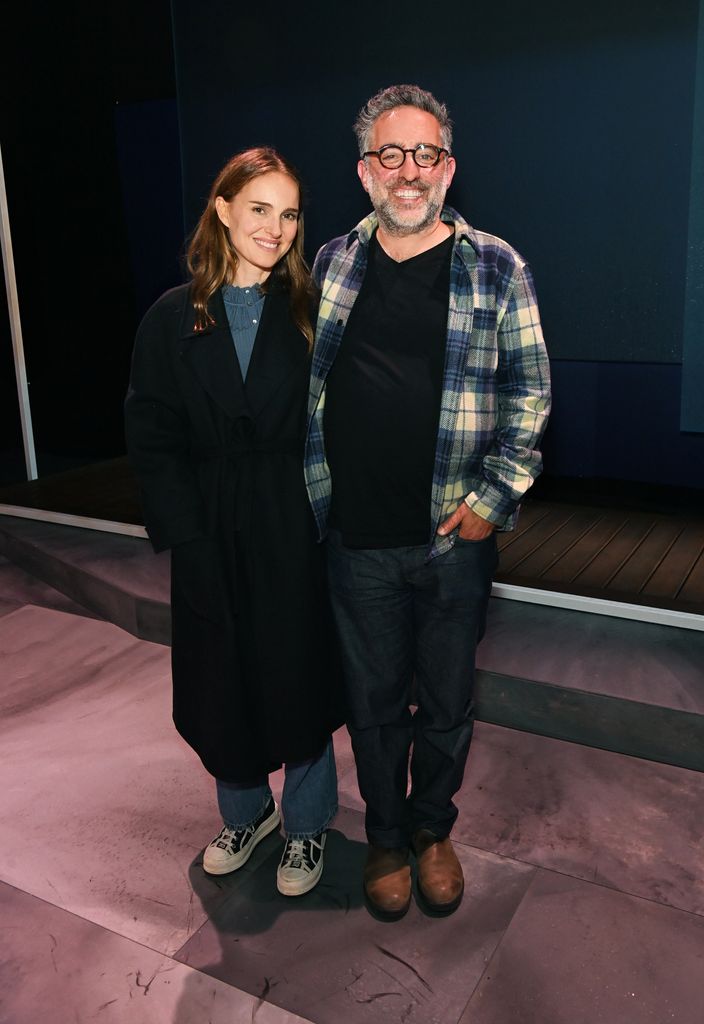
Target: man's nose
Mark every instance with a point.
(409, 167)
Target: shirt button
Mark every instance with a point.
(254, 321)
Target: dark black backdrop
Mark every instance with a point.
(90, 147)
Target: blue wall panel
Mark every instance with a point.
(620, 421)
(693, 342)
(573, 137)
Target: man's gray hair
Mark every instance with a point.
(401, 96)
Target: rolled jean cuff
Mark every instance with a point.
(317, 831)
(237, 826)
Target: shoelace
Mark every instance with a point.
(228, 836)
(295, 853)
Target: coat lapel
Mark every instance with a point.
(278, 350)
(212, 358)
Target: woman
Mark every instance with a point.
(215, 421)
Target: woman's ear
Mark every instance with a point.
(222, 208)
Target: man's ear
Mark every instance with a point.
(363, 172)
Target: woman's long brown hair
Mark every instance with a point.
(211, 258)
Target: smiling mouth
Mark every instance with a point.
(266, 245)
(408, 193)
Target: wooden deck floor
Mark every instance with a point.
(102, 490)
(621, 555)
(605, 551)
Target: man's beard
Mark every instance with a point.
(392, 218)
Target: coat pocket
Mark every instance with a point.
(196, 578)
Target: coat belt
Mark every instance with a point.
(240, 448)
(237, 500)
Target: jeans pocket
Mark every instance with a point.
(463, 541)
(482, 553)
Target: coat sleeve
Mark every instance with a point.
(157, 431)
(523, 391)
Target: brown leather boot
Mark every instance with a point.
(387, 882)
(440, 879)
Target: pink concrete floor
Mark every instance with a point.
(584, 903)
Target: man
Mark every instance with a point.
(429, 393)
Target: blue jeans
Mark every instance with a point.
(400, 618)
(308, 802)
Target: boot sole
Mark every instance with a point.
(438, 909)
(380, 914)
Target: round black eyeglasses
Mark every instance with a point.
(424, 155)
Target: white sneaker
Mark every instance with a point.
(234, 846)
(301, 865)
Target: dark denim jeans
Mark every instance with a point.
(399, 617)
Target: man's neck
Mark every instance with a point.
(403, 247)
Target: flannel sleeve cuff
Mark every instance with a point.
(489, 505)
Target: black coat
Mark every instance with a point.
(220, 467)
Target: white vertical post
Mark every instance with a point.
(16, 331)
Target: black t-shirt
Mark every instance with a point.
(382, 401)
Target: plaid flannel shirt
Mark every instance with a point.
(496, 381)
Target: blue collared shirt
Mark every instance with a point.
(244, 311)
